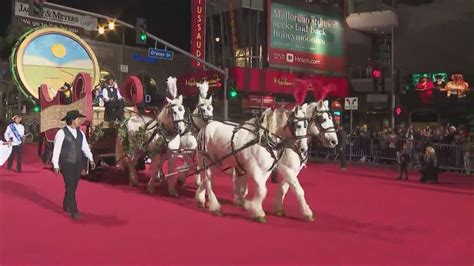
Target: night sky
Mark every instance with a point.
(167, 19)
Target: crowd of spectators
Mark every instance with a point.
(446, 134)
(384, 146)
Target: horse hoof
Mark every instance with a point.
(280, 213)
(180, 183)
(239, 203)
(309, 218)
(151, 189)
(260, 219)
(217, 213)
(133, 182)
(201, 205)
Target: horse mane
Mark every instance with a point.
(203, 89)
(163, 116)
(274, 120)
(172, 88)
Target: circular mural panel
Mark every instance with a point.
(52, 56)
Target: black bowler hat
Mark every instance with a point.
(71, 115)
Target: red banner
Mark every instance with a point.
(198, 31)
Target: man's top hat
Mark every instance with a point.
(71, 115)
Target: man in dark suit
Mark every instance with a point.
(341, 146)
(70, 145)
(114, 104)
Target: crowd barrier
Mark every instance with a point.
(378, 150)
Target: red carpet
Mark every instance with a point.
(363, 216)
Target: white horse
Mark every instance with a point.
(251, 149)
(292, 161)
(155, 136)
(203, 112)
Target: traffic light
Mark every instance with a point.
(36, 8)
(376, 73)
(232, 90)
(233, 93)
(379, 80)
(36, 109)
(398, 110)
(140, 31)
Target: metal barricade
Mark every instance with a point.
(385, 150)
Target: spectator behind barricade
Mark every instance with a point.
(467, 162)
(364, 131)
(429, 172)
(409, 136)
(449, 139)
(459, 138)
(436, 137)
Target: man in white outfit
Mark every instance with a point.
(70, 144)
(14, 134)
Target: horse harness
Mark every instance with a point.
(163, 130)
(317, 118)
(275, 148)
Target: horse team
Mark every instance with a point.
(248, 151)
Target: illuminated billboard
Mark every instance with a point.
(299, 39)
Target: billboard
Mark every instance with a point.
(299, 39)
(54, 17)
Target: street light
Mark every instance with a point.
(218, 39)
(111, 25)
(101, 30)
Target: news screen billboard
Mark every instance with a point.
(299, 39)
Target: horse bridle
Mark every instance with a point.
(291, 124)
(317, 118)
(204, 117)
(292, 121)
(175, 122)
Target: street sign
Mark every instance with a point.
(351, 103)
(160, 53)
(124, 68)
